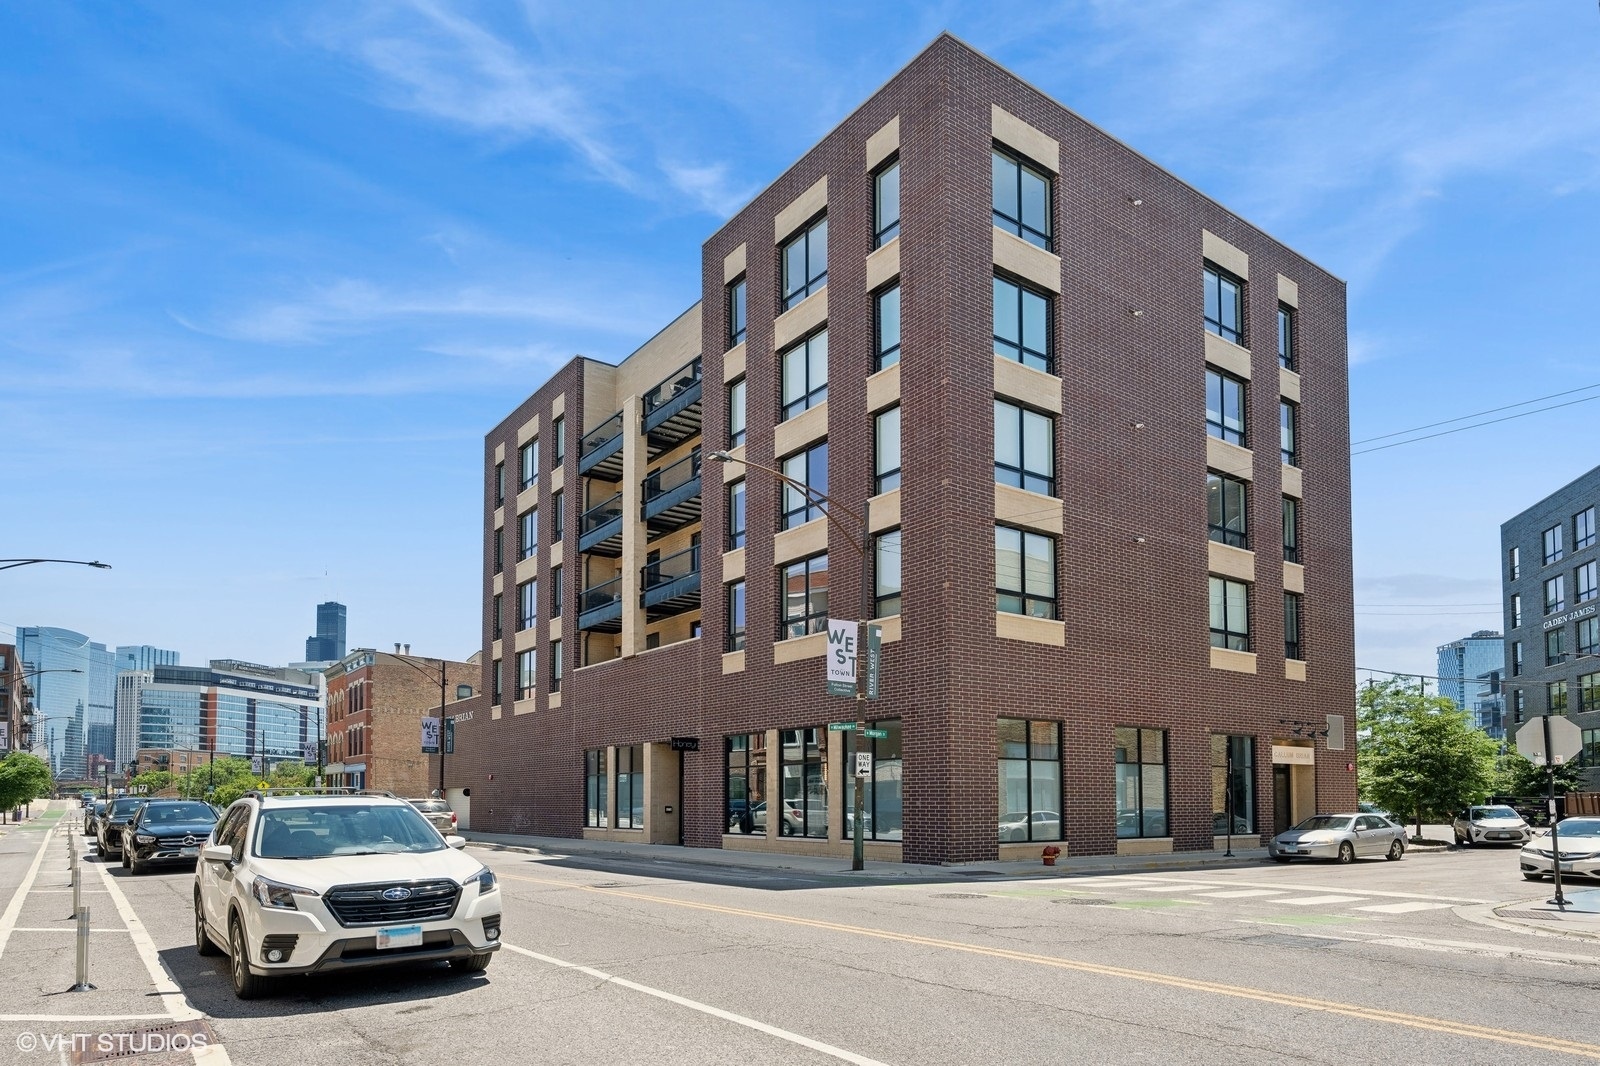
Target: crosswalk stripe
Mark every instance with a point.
(1240, 893)
(1312, 901)
(1404, 908)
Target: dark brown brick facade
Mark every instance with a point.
(1131, 563)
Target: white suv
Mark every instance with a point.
(338, 880)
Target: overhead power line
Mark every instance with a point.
(1479, 414)
(1475, 425)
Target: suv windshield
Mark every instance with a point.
(123, 808)
(343, 829)
(174, 813)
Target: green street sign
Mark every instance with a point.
(841, 727)
(876, 734)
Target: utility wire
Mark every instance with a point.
(1462, 418)
(1475, 425)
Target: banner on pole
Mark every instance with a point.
(430, 736)
(843, 644)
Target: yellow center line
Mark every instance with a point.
(1283, 999)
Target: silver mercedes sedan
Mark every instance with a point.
(1341, 837)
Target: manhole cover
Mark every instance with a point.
(959, 895)
(117, 1045)
(1086, 901)
(1289, 940)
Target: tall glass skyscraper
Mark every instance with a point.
(229, 707)
(1469, 672)
(328, 644)
(74, 686)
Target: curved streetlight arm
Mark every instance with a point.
(11, 564)
(828, 505)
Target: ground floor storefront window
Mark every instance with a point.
(882, 813)
(1233, 780)
(1030, 779)
(1141, 782)
(594, 787)
(746, 776)
(803, 790)
(630, 787)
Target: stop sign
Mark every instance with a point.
(1566, 740)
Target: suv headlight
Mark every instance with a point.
(144, 838)
(270, 893)
(485, 881)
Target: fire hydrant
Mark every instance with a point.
(1050, 853)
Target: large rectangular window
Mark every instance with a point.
(528, 535)
(1230, 614)
(736, 313)
(805, 264)
(1589, 692)
(1586, 577)
(1286, 338)
(1224, 304)
(1291, 530)
(1555, 697)
(1024, 448)
(737, 525)
(804, 597)
(1588, 642)
(1293, 620)
(528, 464)
(1289, 432)
(1583, 529)
(882, 806)
(527, 673)
(1555, 594)
(1233, 784)
(736, 396)
(1225, 508)
(630, 787)
(1225, 408)
(1021, 199)
(1021, 325)
(594, 788)
(810, 469)
(886, 450)
(1552, 545)
(527, 605)
(805, 374)
(746, 776)
(1141, 782)
(886, 327)
(886, 574)
(1555, 646)
(1029, 763)
(803, 805)
(1024, 573)
(735, 641)
(886, 205)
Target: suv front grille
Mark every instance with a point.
(366, 905)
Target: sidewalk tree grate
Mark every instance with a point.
(117, 1045)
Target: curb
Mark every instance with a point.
(1491, 917)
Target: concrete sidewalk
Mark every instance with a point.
(1580, 917)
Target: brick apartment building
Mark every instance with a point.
(1053, 372)
(376, 704)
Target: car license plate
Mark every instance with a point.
(400, 936)
(1567, 867)
(190, 853)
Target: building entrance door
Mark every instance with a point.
(1282, 797)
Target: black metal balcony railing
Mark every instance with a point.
(600, 527)
(671, 585)
(600, 450)
(672, 494)
(672, 408)
(600, 606)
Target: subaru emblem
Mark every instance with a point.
(396, 894)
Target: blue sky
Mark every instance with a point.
(269, 272)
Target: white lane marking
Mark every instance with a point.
(84, 1018)
(1404, 908)
(1453, 947)
(1296, 887)
(63, 929)
(8, 920)
(1312, 901)
(704, 1008)
(1169, 888)
(1242, 893)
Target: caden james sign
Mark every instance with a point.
(1563, 619)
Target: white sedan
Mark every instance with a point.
(1579, 840)
(1492, 824)
(1343, 837)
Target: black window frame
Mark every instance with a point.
(1555, 646)
(738, 514)
(496, 692)
(1514, 564)
(885, 231)
(1227, 510)
(1018, 351)
(1586, 638)
(1219, 427)
(499, 484)
(1237, 750)
(558, 521)
(1588, 686)
(1227, 636)
(527, 670)
(1287, 335)
(885, 355)
(885, 479)
(1516, 610)
(557, 665)
(1291, 529)
(1143, 822)
(813, 619)
(814, 282)
(527, 534)
(1026, 598)
(813, 394)
(496, 617)
(528, 464)
(1555, 697)
(1217, 281)
(1551, 541)
(498, 549)
(1583, 529)
(887, 546)
(1021, 168)
(1516, 658)
(1289, 432)
(1294, 618)
(736, 604)
(796, 508)
(738, 323)
(738, 393)
(596, 789)
(1585, 590)
(558, 441)
(527, 604)
(1036, 751)
(1555, 593)
(1024, 476)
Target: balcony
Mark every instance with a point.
(672, 495)
(600, 528)
(600, 607)
(672, 408)
(671, 585)
(600, 450)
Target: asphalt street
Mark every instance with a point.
(631, 960)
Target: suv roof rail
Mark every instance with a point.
(309, 790)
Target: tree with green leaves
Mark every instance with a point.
(1519, 776)
(1420, 755)
(150, 782)
(24, 777)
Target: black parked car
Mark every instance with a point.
(166, 831)
(92, 814)
(108, 830)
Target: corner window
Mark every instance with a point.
(735, 640)
(886, 205)
(528, 464)
(1289, 432)
(1024, 448)
(886, 574)
(805, 264)
(736, 515)
(1291, 530)
(810, 469)
(1024, 573)
(594, 788)
(1552, 545)
(805, 374)
(1021, 325)
(1583, 530)
(1230, 614)
(1233, 785)
(1141, 782)
(527, 673)
(886, 451)
(1286, 338)
(736, 313)
(1029, 764)
(1225, 506)
(1224, 304)
(804, 597)
(886, 325)
(1225, 407)
(736, 393)
(1293, 610)
(1555, 594)
(881, 805)
(1021, 199)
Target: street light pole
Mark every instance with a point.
(857, 735)
(12, 564)
(443, 725)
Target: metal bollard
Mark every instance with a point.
(77, 892)
(83, 984)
